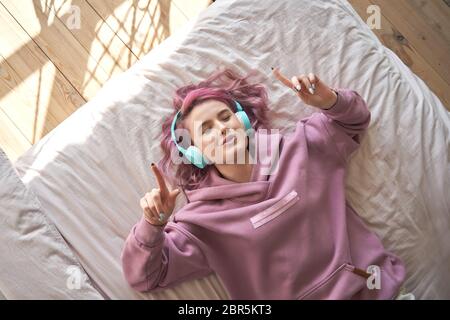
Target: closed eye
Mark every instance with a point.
(205, 130)
(206, 124)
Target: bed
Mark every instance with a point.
(85, 178)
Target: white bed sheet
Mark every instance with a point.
(90, 171)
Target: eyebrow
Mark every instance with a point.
(219, 113)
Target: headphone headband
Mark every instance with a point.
(172, 129)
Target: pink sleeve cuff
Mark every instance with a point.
(344, 97)
(148, 234)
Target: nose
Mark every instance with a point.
(223, 131)
(223, 128)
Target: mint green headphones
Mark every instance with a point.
(192, 153)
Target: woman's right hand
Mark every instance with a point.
(158, 204)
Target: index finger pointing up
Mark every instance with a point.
(160, 180)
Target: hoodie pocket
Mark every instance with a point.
(275, 210)
(342, 283)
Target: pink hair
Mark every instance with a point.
(222, 85)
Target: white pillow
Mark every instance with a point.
(35, 261)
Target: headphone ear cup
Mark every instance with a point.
(242, 116)
(194, 155)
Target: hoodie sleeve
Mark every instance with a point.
(345, 122)
(155, 257)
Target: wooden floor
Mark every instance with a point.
(418, 31)
(51, 64)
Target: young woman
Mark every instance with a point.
(275, 228)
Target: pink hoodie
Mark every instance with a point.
(287, 235)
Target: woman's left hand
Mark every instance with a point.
(313, 91)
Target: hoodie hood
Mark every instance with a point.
(264, 148)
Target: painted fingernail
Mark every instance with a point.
(313, 86)
(311, 90)
(161, 217)
(298, 87)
